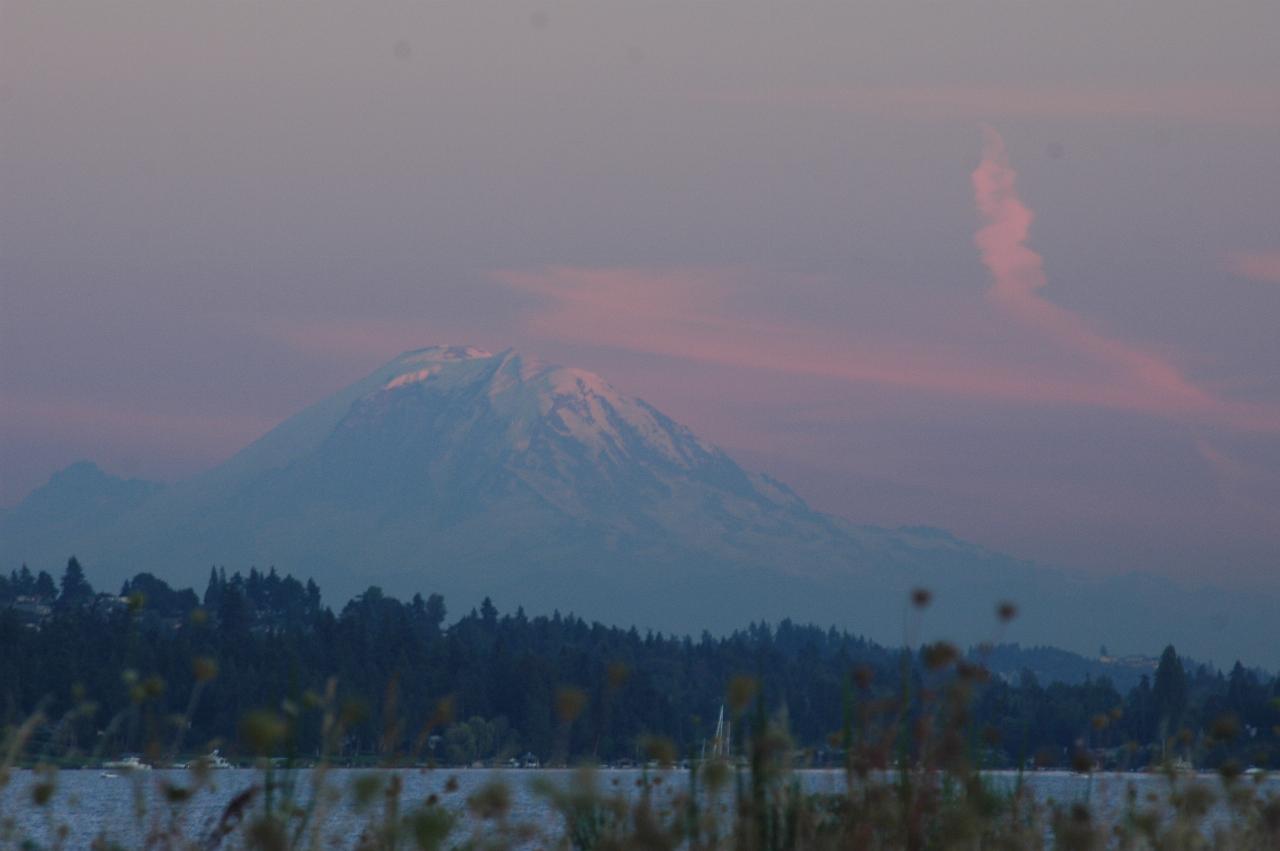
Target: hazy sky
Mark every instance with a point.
(1010, 268)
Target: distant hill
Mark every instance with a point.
(455, 470)
(1052, 664)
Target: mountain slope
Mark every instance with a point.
(476, 474)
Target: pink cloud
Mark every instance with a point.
(695, 313)
(686, 314)
(683, 313)
(1017, 274)
(1261, 266)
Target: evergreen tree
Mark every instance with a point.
(75, 589)
(556, 686)
(213, 591)
(1169, 694)
(435, 612)
(313, 596)
(488, 613)
(23, 581)
(44, 587)
(234, 615)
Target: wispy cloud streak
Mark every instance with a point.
(693, 313)
(1017, 274)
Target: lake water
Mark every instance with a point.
(86, 804)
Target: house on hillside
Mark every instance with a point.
(32, 610)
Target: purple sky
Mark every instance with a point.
(1011, 268)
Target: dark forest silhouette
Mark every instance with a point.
(491, 686)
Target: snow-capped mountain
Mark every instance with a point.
(456, 470)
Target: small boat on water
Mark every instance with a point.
(131, 762)
(108, 774)
(216, 760)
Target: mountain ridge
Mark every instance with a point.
(455, 469)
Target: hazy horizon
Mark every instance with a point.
(1008, 269)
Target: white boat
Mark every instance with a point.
(216, 760)
(129, 763)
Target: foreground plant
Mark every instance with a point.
(911, 759)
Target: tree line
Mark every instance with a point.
(110, 672)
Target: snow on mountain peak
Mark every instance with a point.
(596, 415)
(577, 403)
(422, 364)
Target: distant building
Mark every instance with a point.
(32, 610)
(109, 603)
